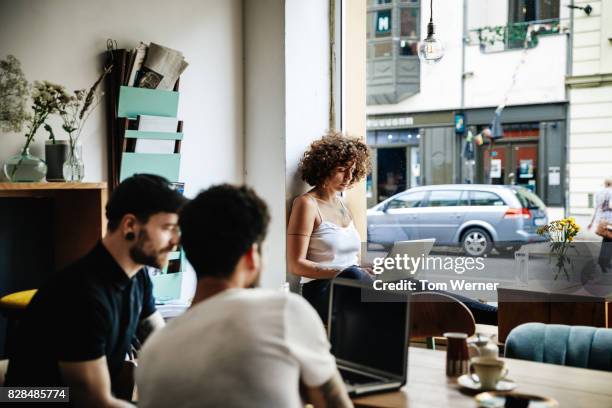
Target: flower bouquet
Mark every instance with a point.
(561, 234)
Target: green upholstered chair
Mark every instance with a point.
(576, 346)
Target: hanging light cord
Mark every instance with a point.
(431, 11)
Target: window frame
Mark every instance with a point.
(513, 11)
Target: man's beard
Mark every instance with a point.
(140, 256)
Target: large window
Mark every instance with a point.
(392, 23)
(409, 28)
(533, 10)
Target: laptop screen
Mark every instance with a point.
(369, 333)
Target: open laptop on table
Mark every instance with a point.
(369, 338)
(418, 248)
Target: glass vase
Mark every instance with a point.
(25, 167)
(73, 168)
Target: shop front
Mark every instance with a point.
(531, 153)
(424, 148)
(399, 144)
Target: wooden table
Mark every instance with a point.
(571, 305)
(429, 387)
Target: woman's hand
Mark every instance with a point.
(369, 270)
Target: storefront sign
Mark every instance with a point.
(554, 175)
(526, 168)
(383, 21)
(496, 168)
(459, 123)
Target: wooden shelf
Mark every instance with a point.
(78, 214)
(52, 186)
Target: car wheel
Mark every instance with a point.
(476, 242)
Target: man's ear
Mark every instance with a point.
(251, 257)
(127, 227)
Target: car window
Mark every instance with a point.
(444, 198)
(409, 200)
(465, 198)
(528, 199)
(485, 198)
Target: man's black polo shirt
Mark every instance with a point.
(89, 310)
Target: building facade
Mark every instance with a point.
(497, 52)
(590, 114)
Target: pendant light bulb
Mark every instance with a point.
(431, 49)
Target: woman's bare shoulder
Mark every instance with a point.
(305, 201)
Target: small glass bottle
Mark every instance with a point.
(521, 267)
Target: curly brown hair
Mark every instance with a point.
(334, 150)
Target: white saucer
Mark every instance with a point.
(466, 381)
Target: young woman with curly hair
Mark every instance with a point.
(322, 242)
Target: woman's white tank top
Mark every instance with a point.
(333, 246)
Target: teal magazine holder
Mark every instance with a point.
(141, 153)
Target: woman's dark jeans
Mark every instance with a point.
(316, 293)
(605, 255)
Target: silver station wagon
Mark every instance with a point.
(477, 217)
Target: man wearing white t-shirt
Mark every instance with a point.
(236, 346)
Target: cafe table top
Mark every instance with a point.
(428, 385)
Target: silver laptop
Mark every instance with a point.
(418, 248)
(368, 332)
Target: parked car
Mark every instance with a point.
(477, 217)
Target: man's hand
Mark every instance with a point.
(90, 384)
(331, 394)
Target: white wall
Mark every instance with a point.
(540, 78)
(482, 13)
(264, 104)
(286, 105)
(62, 41)
(590, 106)
(307, 93)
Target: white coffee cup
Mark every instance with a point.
(489, 371)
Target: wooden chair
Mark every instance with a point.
(433, 314)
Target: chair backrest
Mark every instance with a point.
(576, 346)
(433, 314)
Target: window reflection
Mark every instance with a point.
(408, 25)
(408, 48)
(383, 50)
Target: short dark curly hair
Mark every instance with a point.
(334, 150)
(219, 226)
(142, 195)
